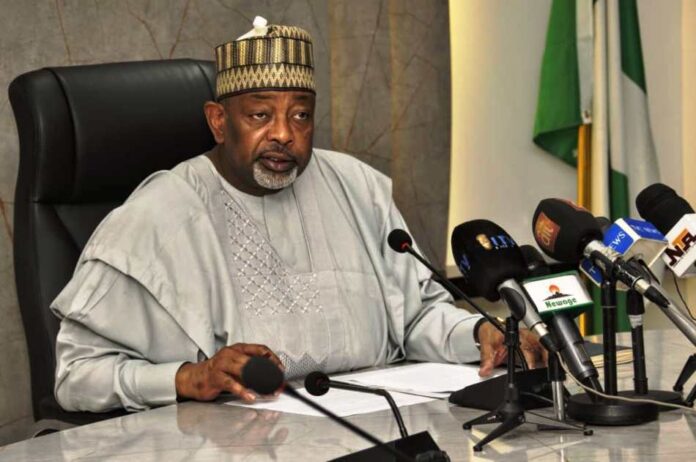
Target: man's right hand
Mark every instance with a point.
(204, 381)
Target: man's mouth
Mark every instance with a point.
(276, 162)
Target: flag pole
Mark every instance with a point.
(584, 191)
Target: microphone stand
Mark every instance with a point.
(345, 423)
(635, 308)
(510, 413)
(590, 409)
(557, 377)
(375, 391)
(686, 373)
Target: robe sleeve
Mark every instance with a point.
(435, 329)
(110, 350)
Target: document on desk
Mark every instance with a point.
(341, 402)
(435, 380)
(409, 384)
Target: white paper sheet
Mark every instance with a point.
(340, 402)
(436, 380)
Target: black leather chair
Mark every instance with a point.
(87, 136)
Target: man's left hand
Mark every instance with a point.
(494, 351)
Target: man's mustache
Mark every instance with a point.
(277, 148)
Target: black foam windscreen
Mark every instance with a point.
(562, 229)
(317, 383)
(536, 265)
(604, 223)
(486, 256)
(261, 375)
(662, 206)
(399, 240)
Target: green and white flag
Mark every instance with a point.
(592, 72)
(632, 157)
(565, 89)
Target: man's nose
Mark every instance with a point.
(280, 131)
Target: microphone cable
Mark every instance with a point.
(621, 398)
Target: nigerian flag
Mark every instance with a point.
(592, 72)
(632, 158)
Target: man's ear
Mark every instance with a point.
(215, 115)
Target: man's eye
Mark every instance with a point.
(259, 116)
(302, 115)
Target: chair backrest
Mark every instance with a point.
(87, 136)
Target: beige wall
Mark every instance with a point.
(688, 94)
(376, 62)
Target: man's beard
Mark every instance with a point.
(273, 180)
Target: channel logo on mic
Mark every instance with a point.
(546, 232)
(557, 293)
(502, 241)
(679, 247)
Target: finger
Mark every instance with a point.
(229, 384)
(253, 349)
(488, 356)
(230, 361)
(500, 356)
(530, 343)
(530, 357)
(544, 357)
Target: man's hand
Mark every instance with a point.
(204, 381)
(494, 351)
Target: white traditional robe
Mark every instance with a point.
(189, 265)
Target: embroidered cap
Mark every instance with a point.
(269, 57)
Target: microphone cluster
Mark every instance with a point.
(614, 256)
(493, 266)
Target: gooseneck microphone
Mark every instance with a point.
(317, 384)
(490, 262)
(262, 376)
(400, 241)
(567, 232)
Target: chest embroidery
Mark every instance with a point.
(267, 285)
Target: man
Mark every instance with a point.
(262, 246)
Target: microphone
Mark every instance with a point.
(567, 232)
(262, 376)
(400, 241)
(536, 265)
(317, 384)
(559, 298)
(490, 261)
(634, 240)
(604, 223)
(671, 214)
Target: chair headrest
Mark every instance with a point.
(96, 131)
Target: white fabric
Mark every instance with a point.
(162, 281)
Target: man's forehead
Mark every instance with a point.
(271, 95)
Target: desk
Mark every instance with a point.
(215, 432)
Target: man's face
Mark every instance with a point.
(266, 139)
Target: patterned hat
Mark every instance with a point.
(269, 57)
